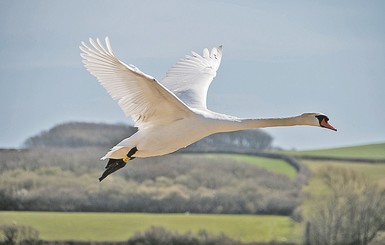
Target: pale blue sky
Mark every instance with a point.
(280, 58)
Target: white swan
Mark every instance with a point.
(170, 114)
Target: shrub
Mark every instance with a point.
(350, 211)
(18, 234)
(160, 236)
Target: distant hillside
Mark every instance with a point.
(370, 151)
(76, 134)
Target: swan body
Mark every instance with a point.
(170, 114)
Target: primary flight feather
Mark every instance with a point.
(170, 114)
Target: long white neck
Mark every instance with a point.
(235, 124)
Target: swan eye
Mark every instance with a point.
(323, 122)
(321, 118)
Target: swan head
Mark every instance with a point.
(318, 119)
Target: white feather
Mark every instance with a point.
(139, 95)
(190, 78)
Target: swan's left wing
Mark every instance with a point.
(189, 79)
(140, 96)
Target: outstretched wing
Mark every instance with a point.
(139, 95)
(189, 79)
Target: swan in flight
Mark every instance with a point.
(170, 114)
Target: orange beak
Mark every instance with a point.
(325, 124)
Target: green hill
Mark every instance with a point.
(344, 157)
(370, 151)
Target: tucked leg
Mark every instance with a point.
(115, 164)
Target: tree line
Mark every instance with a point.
(78, 134)
(155, 235)
(57, 170)
(66, 180)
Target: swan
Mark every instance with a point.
(172, 113)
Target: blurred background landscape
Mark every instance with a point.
(229, 188)
(298, 185)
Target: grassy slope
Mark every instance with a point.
(120, 226)
(372, 151)
(273, 165)
(374, 172)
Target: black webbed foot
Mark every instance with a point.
(112, 166)
(115, 164)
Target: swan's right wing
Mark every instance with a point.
(139, 95)
(189, 79)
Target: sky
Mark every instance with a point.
(280, 58)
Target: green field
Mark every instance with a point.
(274, 165)
(120, 226)
(371, 151)
(373, 172)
